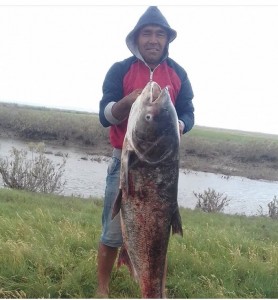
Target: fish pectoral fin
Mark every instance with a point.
(117, 204)
(124, 259)
(176, 223)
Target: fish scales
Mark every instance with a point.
(148, 188)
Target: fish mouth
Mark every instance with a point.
(156, 93)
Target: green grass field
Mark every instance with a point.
(48, 249)
(229, 135)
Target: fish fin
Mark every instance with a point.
(124, 259)
(176, 223)
(126, 171)
(117, 204)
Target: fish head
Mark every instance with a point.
(153, 130)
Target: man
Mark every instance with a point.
(148, 42)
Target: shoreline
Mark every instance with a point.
(214, 150)
(192, 163)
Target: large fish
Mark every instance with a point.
(148, 188)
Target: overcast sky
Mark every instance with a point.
(58, 55)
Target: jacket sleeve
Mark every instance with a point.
(112, 89)
(184, 105)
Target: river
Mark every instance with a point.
(85, 176)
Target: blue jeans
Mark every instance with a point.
(111, 229)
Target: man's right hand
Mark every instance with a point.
(121, 109)
(133, 96)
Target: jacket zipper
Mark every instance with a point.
(151, 72)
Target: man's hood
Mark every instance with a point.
(152, 16)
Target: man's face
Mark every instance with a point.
(151, 41)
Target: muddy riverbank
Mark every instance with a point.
(202, 161)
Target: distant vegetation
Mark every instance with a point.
(229, 152)
(49, 247)
(36, 123)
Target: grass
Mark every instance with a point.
(226, 257)
(48, 245)
(48, 249)
(229, 135)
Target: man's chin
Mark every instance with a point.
(152, 60)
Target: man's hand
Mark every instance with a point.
(121, 109)
(130, 98)
(181, 127)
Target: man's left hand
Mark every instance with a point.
(181, 127)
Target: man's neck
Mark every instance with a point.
(152, 66)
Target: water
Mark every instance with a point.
(85, 177)
(246, 195)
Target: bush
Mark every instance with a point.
(210, 201)
(35, 174)
(273, 208)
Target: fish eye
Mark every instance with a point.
(148, 117)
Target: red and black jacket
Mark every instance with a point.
(132, 73)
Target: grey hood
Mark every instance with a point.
(152, 16)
